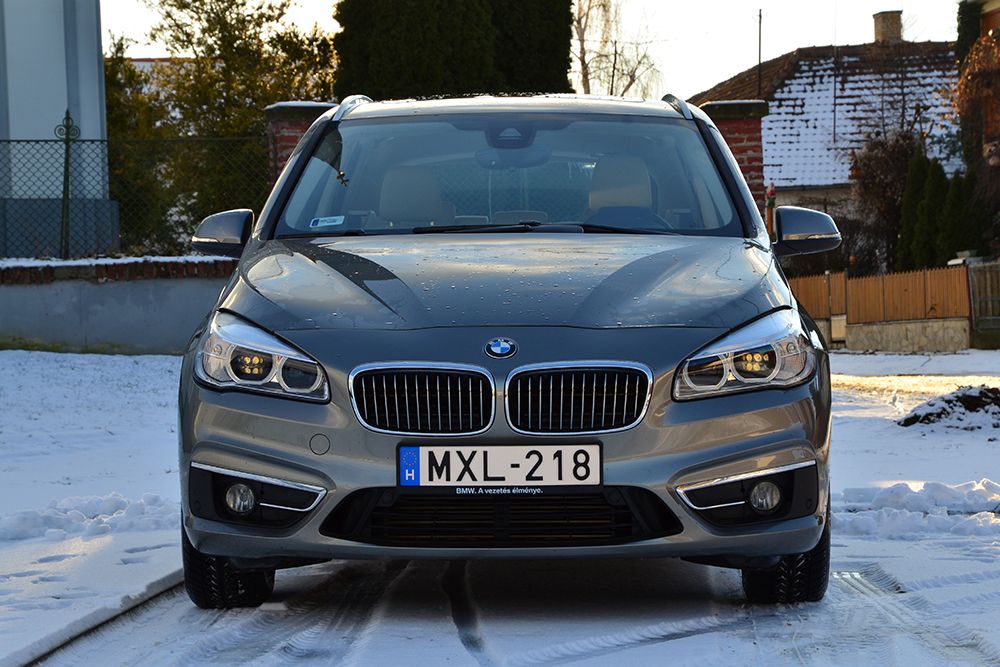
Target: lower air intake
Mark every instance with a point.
(614, 515)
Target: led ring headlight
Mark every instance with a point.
(773, 351)
(236, 354)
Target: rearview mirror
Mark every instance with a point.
(224, 233)
(802, 231)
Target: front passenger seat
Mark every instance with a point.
(411, 197)
(621, 193)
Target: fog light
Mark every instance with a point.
(240, 498)
(765, 496)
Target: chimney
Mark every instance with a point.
(888, 27)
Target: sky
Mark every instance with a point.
(695, 44)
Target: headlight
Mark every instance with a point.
(236, 354)
(773, 351)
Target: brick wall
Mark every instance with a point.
(286, 123)
(739, 123)
(117, 270)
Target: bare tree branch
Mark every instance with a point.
(606, 62)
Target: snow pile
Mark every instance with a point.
(91, 515)
(31, 262)
(972, 508)
(969, 408)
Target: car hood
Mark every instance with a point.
(530, 279)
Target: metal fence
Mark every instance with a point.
(69, 197)
(984, 283)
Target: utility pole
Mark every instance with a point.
(760, 34)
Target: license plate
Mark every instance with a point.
(527, 465)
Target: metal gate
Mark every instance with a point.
(984, 288)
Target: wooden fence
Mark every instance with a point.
(913, 295)
(821, 296)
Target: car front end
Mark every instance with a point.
(384, 385)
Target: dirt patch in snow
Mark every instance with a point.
(969, 408)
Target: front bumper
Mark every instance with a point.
(676, 444)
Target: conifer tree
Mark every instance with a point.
(916, 176)
(950, 233)
(929, 213)
(419, 48)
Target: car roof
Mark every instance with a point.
(551, 103)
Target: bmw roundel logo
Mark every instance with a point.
(501, 348)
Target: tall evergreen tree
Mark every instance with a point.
(913, 192)
(929, 215)
(414, 48)
(949, 238)
(532, 45)
(974, 228)
(353, 45)
(419, 48)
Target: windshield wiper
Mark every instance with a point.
(525, 226)
(317, 234)
(535, 226)
(611, 229)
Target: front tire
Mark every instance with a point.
(213, 583)
(796, 578)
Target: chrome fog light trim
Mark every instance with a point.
(318, 490)
(684, 489)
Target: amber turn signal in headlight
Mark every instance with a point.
(773, 351)
(236, 354)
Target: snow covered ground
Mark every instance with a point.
(88, 490)
(32, 262)
(88, 522)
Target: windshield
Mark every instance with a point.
(475, 171)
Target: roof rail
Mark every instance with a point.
(349, 103)
(679, 104)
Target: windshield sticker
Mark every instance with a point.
(331, 221)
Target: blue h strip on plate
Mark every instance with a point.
(409, 466)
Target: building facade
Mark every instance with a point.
(824, 101)
(50, 64)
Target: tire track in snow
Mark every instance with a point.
(455, 583)
(342, 623)
(951, 580)
(602, 645)
(954, 642)
(320, 625)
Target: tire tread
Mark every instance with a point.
(213, 583)
(796, 578)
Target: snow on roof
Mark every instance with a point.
(824, 101)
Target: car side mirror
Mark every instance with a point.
(802, 231)
(224, 233)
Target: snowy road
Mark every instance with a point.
(89, 519)
(508, 613)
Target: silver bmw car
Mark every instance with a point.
(538, 327)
